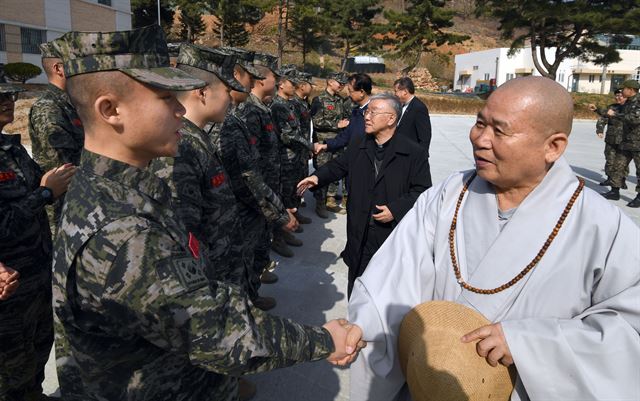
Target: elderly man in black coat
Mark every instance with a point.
(385, 175)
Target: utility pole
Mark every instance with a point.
(159, 24)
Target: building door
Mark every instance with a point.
(574, 82)
(616, 81)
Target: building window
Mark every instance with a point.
(561, 77)
(31, 39)
(510, 76)
(475, 68)
(592, 78)
(600, 78)
(105, 2)
(486, 76)
(637, 76)
(3, 40)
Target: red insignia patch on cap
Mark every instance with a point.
(330, 107)
(194, 246)
(217, 180)
(268, 127)
(253, 140)
(290, 117)
(7, 176)
(76, 122)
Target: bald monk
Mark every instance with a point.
(565, 307)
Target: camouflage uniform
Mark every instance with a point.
(613, 137)
(144, 321)
(259, 205)
(57, 135)
(258, 120)
(204, 202)
(326, 111)
(26, 318)
(294, 149)
(630, 146)
(302, 108)
(141, 318)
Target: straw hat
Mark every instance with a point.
(438, 366)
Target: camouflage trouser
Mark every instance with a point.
(611, 152)
(262, 255)
(320, 160)
(291, 175)
(26, 336)
(255, 226)
(620, 168)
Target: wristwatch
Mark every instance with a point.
(46, 194)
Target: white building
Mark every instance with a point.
(575, 75)
(24, 24)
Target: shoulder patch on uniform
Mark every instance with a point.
(217, 180)
(188, 271)
(253, 140)
(268, 127)
(290, 117)
(330, 107)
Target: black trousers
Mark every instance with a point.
(373, 240)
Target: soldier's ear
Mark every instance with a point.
(105, 108)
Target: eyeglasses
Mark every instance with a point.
(373, 114)
(8, 97)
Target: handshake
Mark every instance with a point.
(347, 339)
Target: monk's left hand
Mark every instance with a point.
(492, 345)
(384, 216)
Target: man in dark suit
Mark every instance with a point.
(385, 175)
(414, 123)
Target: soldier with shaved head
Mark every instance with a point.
(520, 239)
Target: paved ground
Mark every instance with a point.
(312, 286)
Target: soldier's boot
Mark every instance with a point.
(264, 303)
(624, 185)
(268, 277)
(614, 194)
(246, 389)
(606, 183)
(332, 205)
(302, 219)
(299, 229)
(321, 210)
(280, 247)
(291, 239)
(635, 202)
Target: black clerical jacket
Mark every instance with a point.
(403, 177)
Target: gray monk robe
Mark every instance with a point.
(572, 323)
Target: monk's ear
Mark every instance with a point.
(555, 145)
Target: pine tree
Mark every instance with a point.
(307, 26)
(419, 30)
(233, 17)
(590, 30)
(191, 23)
(145, 12)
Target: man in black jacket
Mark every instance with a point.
(414, 123)
(385, 175)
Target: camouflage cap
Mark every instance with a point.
(245, 60)
(267, 60)
(216, 61)
(50, 49)
(10, 88)
(340, 77)
(290, 73)
(305, 77)
(630, 83)
(141, 53)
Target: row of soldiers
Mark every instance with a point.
(231, 189)
(622, 139)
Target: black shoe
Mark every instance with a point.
(280, 247)
(291, 239)
(321, 210)
(635, 202)
(264, 303)
(268, 278)
(299, 229)
(614, 194)
(624, 185)
(605, 183)
(302, 219)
